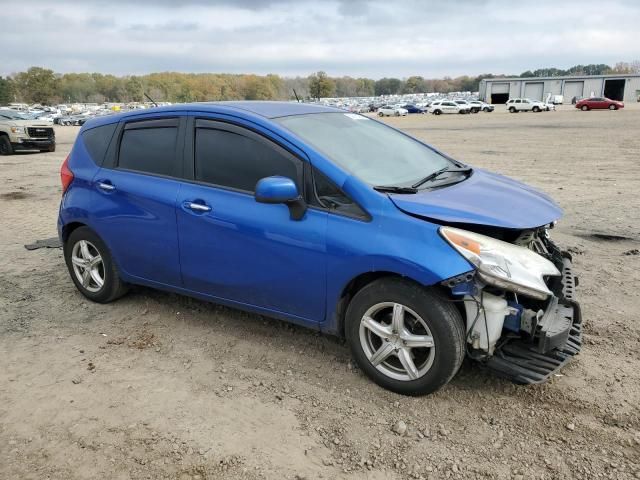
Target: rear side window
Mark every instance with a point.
(97, 141)
(236, 161)
(149, 150)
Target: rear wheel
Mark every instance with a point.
(5, 145)
(91, 267)
(404, 337)
(584, 108)
(612, 107)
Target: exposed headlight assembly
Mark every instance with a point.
(502, 264)
(17, 129)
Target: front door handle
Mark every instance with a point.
(198, 207)
(106, 186)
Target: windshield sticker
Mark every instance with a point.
(355, 116)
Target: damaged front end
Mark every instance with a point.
(523, 320)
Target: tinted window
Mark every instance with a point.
(237, 161)
(97, 141)
(151, 150)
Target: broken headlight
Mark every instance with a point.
(503, 264)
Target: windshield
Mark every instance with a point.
(371, 151)
(12, 115)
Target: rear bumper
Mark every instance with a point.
(559, 339)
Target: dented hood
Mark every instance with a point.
(484, 198)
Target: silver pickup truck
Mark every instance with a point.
(19, 133)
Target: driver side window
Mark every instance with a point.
(236, 160)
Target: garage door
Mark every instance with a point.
(573, 89)
(499, 88)
(534, 91)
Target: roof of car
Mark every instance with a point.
(261, 108)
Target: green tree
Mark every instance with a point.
(387, 86)
(37, 85)
(6, 91)
(133, 87)
(320, 85)
(415, 84)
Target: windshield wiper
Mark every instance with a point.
(395, 189)
(437, 173)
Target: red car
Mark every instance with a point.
(598, 102)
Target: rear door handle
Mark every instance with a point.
(197, 207)
(106, 186)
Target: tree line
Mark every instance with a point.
(44, 86)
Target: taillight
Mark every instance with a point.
(66, 175)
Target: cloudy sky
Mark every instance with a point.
(296, 37)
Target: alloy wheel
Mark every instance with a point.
(88, 266)
(397, 341)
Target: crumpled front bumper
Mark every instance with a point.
(559, 339)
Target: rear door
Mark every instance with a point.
(137, 190)
(234, 248)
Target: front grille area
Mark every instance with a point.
(40, 132)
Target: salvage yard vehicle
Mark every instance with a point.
(327, 219)
(389, 111)
(598, 103)
(482, 106)
(470, 106)
(19, 132)
(515, 105)
(447, 106)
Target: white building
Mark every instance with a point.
(616, 87)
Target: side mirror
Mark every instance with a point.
(281, 190)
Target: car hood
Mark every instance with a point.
(484, 198)
(28, 123)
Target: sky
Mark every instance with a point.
(378, 38)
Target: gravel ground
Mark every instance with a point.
(162, 386)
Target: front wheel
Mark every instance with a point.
(512, 109)
(380, 114)
(612, 107)
(404, 337)
(91, 267)
(5, 145)
(584, 108)
(536, 109)
(437, 112)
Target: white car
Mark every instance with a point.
(525, 105)
(388, 111)
(447, 106)
(484, 107)
(467, 105)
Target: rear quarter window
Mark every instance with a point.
(149, 150)
(96, 141)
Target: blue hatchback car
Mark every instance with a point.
(330, 220)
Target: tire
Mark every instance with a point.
(584, 108)
(485, 109)
(536, 109)
(112, 286)
(5, 146)
(397, 114)
(52, 148)
(612, 107)
(423, 317)
(437, 112)
(512, 109)
(380, 114)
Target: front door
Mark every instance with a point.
(234, 248)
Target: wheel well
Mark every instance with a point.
(70, 227)
(353, 287)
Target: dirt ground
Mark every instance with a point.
(161, 386)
